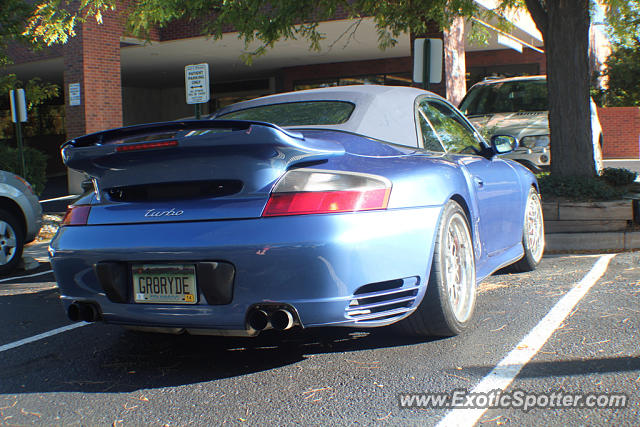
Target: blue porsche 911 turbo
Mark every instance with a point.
(356, 206)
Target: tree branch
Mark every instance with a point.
(351, 31)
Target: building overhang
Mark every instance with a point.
(161, 64)
(523, 31)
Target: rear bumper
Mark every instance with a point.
(313, 263)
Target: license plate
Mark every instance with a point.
(164, 284)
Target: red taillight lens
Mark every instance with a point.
(77, 215)
(326, 202)
(306, 191)
(146, 146)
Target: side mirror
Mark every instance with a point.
(503, 144)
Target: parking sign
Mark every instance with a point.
(196, 78)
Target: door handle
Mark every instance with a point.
(479, 182)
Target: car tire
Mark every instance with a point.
(448, 305)
(532, 235)
(11, 241)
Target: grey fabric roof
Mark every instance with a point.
(381, 112)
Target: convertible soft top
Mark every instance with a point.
(381, 112)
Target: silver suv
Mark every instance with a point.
(20, 218)
(517, 106)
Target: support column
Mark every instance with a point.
(92, 60)
(454, 62)
(453, 86)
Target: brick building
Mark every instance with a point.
(116, 80)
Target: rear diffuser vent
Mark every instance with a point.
(175, 191)
(383, 300)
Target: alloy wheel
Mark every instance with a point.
(459, 269)
(534, 226)
(8, 242)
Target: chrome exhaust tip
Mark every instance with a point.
(81, 311)
(258, 319)
(73, 312)
(281, 320)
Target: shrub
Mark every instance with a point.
(619, 176)
(35, 164)
(577, 188)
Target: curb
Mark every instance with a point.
(593, 242)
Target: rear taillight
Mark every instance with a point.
(307, 191)
(77, 215)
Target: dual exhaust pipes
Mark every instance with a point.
(279, 318)
(84, 311)
(259, 318)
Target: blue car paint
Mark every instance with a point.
(256, 154)
(313, 262)
(434, 178)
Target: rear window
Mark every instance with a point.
(296, 113)
(506, 97)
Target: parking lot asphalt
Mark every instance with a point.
(98, 374)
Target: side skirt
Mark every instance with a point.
(494, 264)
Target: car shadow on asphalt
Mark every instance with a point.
(107, 359)
(577, 367)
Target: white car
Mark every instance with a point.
(20, 218)
(517, 106)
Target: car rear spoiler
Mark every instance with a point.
(193, 150)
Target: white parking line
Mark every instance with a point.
(41, 336)
(505, 372)
(42, 273)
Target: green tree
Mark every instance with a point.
(13, 15)
(623, 75)
(623, 21)
(564, 25)
(36, 91)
